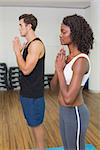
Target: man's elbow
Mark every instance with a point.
(25, 72)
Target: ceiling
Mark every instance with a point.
(47, 3)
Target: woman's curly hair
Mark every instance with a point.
(81, 32)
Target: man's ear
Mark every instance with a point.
(29, 26)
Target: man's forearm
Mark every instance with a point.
(20, 61)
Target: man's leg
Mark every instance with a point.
(34, 113)
(39, 136)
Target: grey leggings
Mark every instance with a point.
(73, 125)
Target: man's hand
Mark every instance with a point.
(17, 47)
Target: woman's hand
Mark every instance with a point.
(60, 61)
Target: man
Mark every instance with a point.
(31, 65)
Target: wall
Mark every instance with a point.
(48, 29)
(95, 54)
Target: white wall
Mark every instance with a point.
(93, 16)
(48, 29)
(95, 54)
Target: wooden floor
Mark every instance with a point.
(16, 135)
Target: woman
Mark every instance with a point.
(71, 75)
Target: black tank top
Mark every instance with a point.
(32, 85)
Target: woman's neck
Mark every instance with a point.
(73, 50)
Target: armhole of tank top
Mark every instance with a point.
(37, 39)
(81, 56)
(33, 41)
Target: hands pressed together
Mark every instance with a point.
(17, 47)
(60, 61)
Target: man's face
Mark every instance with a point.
(23, 28)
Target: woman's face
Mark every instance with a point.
(65, 35)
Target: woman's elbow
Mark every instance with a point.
(69, 100)
(52, 87)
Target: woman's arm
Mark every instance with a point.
(70, 92)
(54, 82)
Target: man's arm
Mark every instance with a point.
(34, 53)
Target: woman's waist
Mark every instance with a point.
(77, 102)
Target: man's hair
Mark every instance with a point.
(29, 19)
(81, 32)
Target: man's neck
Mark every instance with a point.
(30, 36)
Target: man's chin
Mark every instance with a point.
(22, 35)
(62, 43)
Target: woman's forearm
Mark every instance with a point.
(54, 82)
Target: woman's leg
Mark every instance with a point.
(75, 123)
